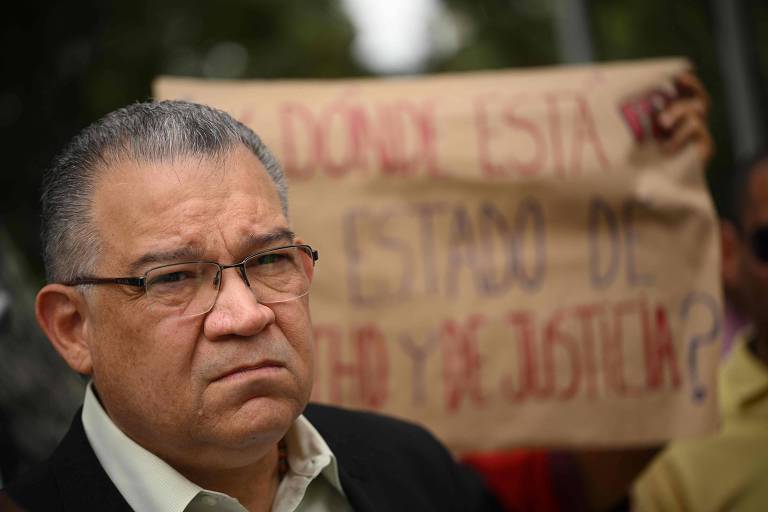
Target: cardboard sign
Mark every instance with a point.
(508, 257)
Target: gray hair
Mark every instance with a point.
(143, 133)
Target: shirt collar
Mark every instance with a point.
(309, 454)
(148, 483)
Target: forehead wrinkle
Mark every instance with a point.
(224, 238)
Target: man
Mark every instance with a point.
(178, 288)
(729, 471)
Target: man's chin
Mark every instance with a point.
(262, 419)
(253, 410)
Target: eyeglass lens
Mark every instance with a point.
(191, 288)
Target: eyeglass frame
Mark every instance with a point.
(141, 282)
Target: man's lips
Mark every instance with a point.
(247, 368)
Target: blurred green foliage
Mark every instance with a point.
(66, 64)
(502, 34)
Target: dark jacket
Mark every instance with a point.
(384, 464)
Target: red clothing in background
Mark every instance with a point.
(536, 480)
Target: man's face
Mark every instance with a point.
(753, 278)
(213, 389)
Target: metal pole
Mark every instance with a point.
(738, 73)
(573, 30)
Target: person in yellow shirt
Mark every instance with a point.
(729, 470)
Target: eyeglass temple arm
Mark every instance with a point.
(129, 281)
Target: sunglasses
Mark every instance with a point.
(759, 242)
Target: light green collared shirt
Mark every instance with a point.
(149, 484)
(728, 471)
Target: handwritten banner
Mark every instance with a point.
(506, 257)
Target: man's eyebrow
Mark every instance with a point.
(171, 256)
(266, 239)
(192, 253)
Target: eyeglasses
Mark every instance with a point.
(759, 242)
(190, 288)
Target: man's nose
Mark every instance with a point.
(237, 312)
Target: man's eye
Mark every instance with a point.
(170, 278)
(268, 259)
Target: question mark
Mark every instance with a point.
(701, 339)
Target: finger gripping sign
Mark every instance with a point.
(506, 257)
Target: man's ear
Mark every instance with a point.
(62, 313)
(731, 247)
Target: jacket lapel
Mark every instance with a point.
(354, 456)
(82, 482)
